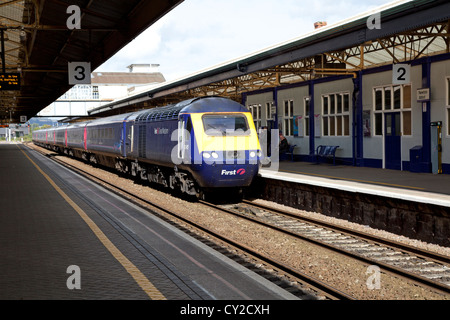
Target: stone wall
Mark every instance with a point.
(426, 222)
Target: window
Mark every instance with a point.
(335, 114)
(95, 94)
(225, 124)
(81, 92)
(392, 98)
(447, 80)
(269, 115)
(448, 91)
(288, 117)
(255, 110)
(306, 105)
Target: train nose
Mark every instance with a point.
(235, 154)
(227, 175)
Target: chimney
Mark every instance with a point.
(319, 24)
(144, 68)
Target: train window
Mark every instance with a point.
(225, 124)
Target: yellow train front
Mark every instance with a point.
(218, 144)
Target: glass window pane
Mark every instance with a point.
(397, 97)
(346, 102)
(291, 109)
(346, 125)
(332, 104)
(397, 124)
(378, 124)
(339, 125)
(387, 98)
(325, 126)
(332, 126)
(221, 125)
(448, 121)
(307, 126)
(325, 105)
(378, 99)
(407, 97)
(448, 92)
(407, 123)
(339, 103)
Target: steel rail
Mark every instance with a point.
(374, 238)
(317, 285)
(386, 267)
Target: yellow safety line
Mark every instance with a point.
(350, 179)
(138, 276)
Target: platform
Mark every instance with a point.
(414, 205)
(417, 187)
(62, 237)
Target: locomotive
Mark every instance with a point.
(195, 146)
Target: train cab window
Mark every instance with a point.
(225, 124)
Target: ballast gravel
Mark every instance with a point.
(347, 274)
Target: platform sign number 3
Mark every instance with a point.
(401, 74)
(79, 72)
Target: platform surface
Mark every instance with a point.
(410, 186)
(62, 237)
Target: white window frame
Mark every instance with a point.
(268, 108)
(336, 116)
(384, 109)
(255, 110)
(306, 100)
(288, 117)
(447, 105)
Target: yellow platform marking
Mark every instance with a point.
(350, 179)
(137, 275)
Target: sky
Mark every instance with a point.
(199, 34)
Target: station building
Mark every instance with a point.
(104, 88)
(395, 120)
(376, 85)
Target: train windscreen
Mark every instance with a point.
(225, 125)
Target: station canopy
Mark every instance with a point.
(38, 44)
(402, 31)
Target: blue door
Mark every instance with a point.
(392, 141)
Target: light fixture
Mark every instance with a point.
(23, 35)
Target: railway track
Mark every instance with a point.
(424, 267)
(302, 284)
(390, 257)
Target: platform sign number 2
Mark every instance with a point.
(79, 72)
(401, 74)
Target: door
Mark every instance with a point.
(184, 139)
(392, 141)
(436, 147)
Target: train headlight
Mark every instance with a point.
(214, 155)
(206, 155)
(252, 154)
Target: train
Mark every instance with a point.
(198, 146)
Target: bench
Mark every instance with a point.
(326, 152)
(288, 153)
